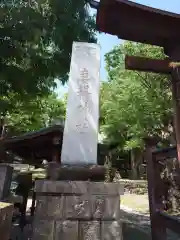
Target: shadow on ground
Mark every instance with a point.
(135, 226)
(132, 228)
(132, 233)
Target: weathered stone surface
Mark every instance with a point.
(6, 212)
(48, 206)
(5, 181)
(77, 207)
(66, 230)
(63, 187)
(89, 230)
(101, 188)
(57, 172)
(112, 208)
(81, 128)
(43, 230)
(79, 211)
(107, 208)
(111, 230)
(98, 206)
(79, 187)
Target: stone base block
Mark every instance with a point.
(77, 210)
(111, 230)
(6, 212)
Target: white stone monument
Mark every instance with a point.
(82, 118)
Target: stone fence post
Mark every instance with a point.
(6, 212)
(6, 173)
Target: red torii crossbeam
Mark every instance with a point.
(148, 65)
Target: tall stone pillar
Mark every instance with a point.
(82, 116)
(73, 204)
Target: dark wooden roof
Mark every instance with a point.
(35, 146)
(49, 132)
(139, 23)
(39, 143)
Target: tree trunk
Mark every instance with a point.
(136, 161)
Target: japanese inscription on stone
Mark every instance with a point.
(81, 125)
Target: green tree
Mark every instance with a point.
(136, 105)
(36, 43)
(38, 113)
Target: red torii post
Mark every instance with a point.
(166, 66)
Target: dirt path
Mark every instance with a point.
(139, 203)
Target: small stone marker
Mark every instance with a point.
(81, 125)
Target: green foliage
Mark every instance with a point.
(36, 43)
(37, 113)
(35, 46)
(135, 105)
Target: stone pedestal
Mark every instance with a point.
(6, 212)
(56, 171)
(78, 210)
(5, 181)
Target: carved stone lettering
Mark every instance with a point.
(81, 125)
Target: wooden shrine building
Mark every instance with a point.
(45, 144)
(34, 147)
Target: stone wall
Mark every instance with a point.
(6, 212)
(77, 210)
